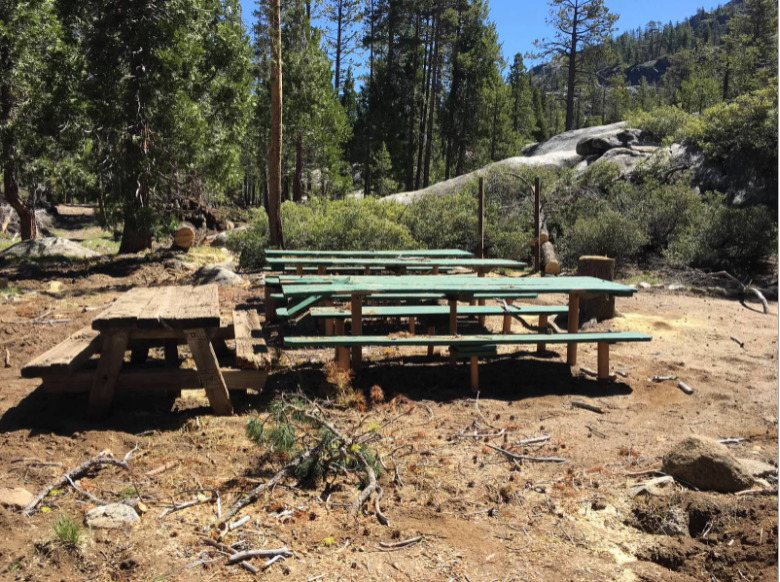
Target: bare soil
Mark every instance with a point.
(481, 517)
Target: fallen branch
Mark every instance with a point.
(87, 494)
(401, 544)
(740, 343)
(732, 441)
(184, 505)
(255, 493)
(533, 440)
(368, 489)
(161, 469)
(263, 553)
(594, 431)
(587, 406)
(519, 457)
(76, 473)
(661, 378)
(745, 289)
(588, 371)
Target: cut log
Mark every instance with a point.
(550, 259)
(591, 305)
(184, 237)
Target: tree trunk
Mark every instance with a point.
(339, 25)
(432, 102)
(572, 73)
(27, 225)
(298, 178)
(275, 153)
(424, 97)
(550, 259)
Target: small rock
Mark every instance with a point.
(676, 287)
(15, 497)
(706, 464)
(112, 516)
(644, 285)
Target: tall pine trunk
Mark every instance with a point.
(424, 97)
(339, 25)
(432, 102)
(572, 77)
(275, 149)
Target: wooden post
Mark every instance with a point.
(453, 324)
(357, 329)
(481, 218)
(321, 270)
(412, 321)
(507, 319)
(367, 271)
(328, 320)
(431, 331)
(208, 371)
(270, 308)
(299, 269)
(481, 318)
(342, 353)
(603, 367)
(574, 325)
(542, 347)
(171, 348)
(436, 269)
(111, 356)
(537, 190)
(474, 365)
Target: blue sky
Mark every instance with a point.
(519, 22)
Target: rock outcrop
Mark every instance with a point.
(50, 246)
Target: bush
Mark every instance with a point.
(443, 222)
(723, 237)
(350, 224)
(608, 233)
(667, 123)
(251, 242)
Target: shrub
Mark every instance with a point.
(723, 237)
(251, 242)
(444, 222)
(350, 224)
(666, 123)
(608, 233)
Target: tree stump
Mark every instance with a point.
(593, 305)
(184, 237)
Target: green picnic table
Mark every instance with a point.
(481, 266)
(454, 288)
(275, 253)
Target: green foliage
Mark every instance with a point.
(349, 224)
(723, 237)
(443, 222)
(666, 123)
(67, 532)
(609, 233)
(250, 243)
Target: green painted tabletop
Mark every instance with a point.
(276, 253)
(473, 263)
(453, 285)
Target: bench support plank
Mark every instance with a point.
(104, 384)
(208, 371)
(574, 320)
(603, 364)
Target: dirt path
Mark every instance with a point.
(481, 517)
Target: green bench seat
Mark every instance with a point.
(443, 310)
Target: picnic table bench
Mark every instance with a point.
(394, 263)
(457, 288)
(145, 318)
(364, 253)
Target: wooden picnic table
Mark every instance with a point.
(441, 253)
(454, 287)
(163, 317)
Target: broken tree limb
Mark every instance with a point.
(533, 440)
(368, 489)
(100, 460)
(745, 289)
(401, 544)
(263, 553)
(740, 343)
(255, 493)
(519, 457)
(684, 387)
(587, 406)
(661, 378)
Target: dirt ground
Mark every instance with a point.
(480, 517)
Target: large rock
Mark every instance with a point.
(706, 464)
(15, 497)
(625, 159)
(112, 516)
(50, 246)
(219, 274)
(596, 146)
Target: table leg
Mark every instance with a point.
(208, 371)
(357, 329)
(342, 353)
(111, 357)
(453, 325)
(507, 319)
(431, 331)
(328, 320)
(574, 325)
(270, 308)
(603, 368)
(541, 347)
(436, 269)
(299, 269)
(481, 318)
(474, 365)
(171, 348)
(412, 320)
(321, 270)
